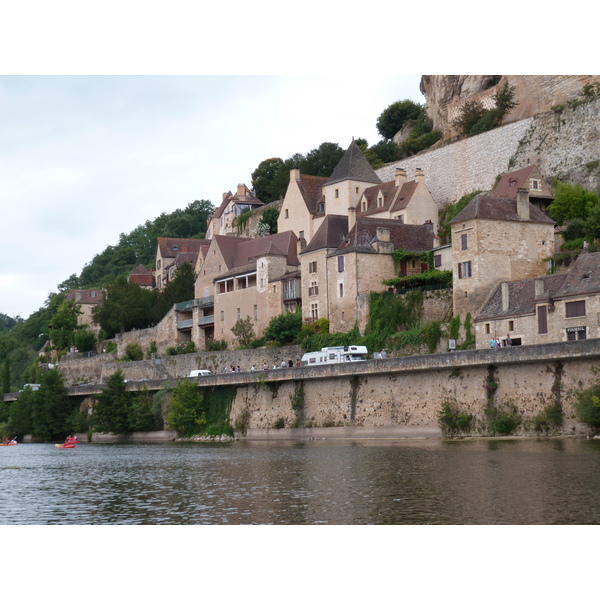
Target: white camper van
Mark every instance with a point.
(199, 373)
(335, 355)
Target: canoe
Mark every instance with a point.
(64, 445)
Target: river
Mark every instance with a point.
(476, 481)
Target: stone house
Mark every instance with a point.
(340, 268)
(240, 277)
(497, 239)
(86, 300)
(171, 252)
(530, 179)
(142, 276)
(554, 308)
(223, 220)
(308, 199)
(408, 201)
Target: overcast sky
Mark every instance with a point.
(85, 158)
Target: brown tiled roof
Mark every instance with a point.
(394, 198)
(353, 166)
(169, 247)
(311, 188)
(485, 206)
(332, 230)
(183, 257)
(85, 296)
(510, 183)
(141, 276)
(583, 277)
(409, 237)
(240, 253)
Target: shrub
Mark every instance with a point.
(284, 328)
(134, 351)
(216, 345)
(279, 423)
(587, 407)
(548, 418)
(452, 420)
(503, 422)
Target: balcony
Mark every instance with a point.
(185, 324)
(206, 321)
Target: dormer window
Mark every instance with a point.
(535, 184)
(322, 207)
(175, 247)
(364, 206)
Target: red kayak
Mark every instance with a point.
(64, 445)
(71, 440)
(11, 443)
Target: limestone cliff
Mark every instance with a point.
(446, 94)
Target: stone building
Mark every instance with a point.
(223, 220)
(530, 179)
(86, 300)
(408, 201)
(340, 268)
(142, 276)
(497, 239)
(554, 308)
(240, 277)
(171, 252)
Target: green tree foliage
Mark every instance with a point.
(448, 212)
(52, 408)
(474, 118)
(244, 332)
(6, 377)
(186, 413)
(20, 418)
(571, 202)
(284, 329)
(179, 289)
(113, 406)
(145, 412)
(268, 179)
(124, 306)
(139, 246)
(592, 223)
(85, 339)
(63, 325)
(269, 219)
(133, 351)
(394, 117)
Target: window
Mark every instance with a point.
(487, 328)
(341, 290)
(464, 269)
(437, 260)
(158, 264)
(364, 206)
(314, 312)
(542, 319)
(287, 213)
(312, 267)
(322, 207)
(575, 309)
(239, 314)
(313, 290)
(301, 234)
(337, 193)
(535, 184)
(380, 201)
(463, 242)
(576, 333)
(511, 325)
(222, 315)
(256, 312)
(340, 264)
(400, 218)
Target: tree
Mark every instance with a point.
(85, 339)
(394, 117)
(20, 416)
(265, 179)
(186, 413)
(269, 219)
(52, 407)
(179, 289)
(244, 332)
(112, 407)
(322, 161)
(124, 306)
(284, 329)
(6, 377)
(63, 325)
(571, 202)
(592, 223)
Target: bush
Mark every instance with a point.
(452, 420)
(548, 418)
(216, 345)
(284, 329)
(134, 351)
(587, 407)
(181, 348)
(503, 422)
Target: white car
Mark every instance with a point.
(199, 373)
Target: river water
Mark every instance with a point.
(522, 481)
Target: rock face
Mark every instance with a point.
(446, 94)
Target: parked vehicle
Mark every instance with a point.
(32, 386)
(199, 373)
(335, 355)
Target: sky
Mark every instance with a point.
(84, 158)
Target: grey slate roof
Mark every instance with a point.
(353, 166)
(331, 232)
(485, 206)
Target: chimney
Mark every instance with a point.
(419, 176)
(400, 178)
(351, 218)
(383, 245)
(383, 234)
(504, 295)
(436, 241)
(523, 204)
(539, 288)
(295, 175)
(241, 190)
(225, 195)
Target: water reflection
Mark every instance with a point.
(537, 481)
